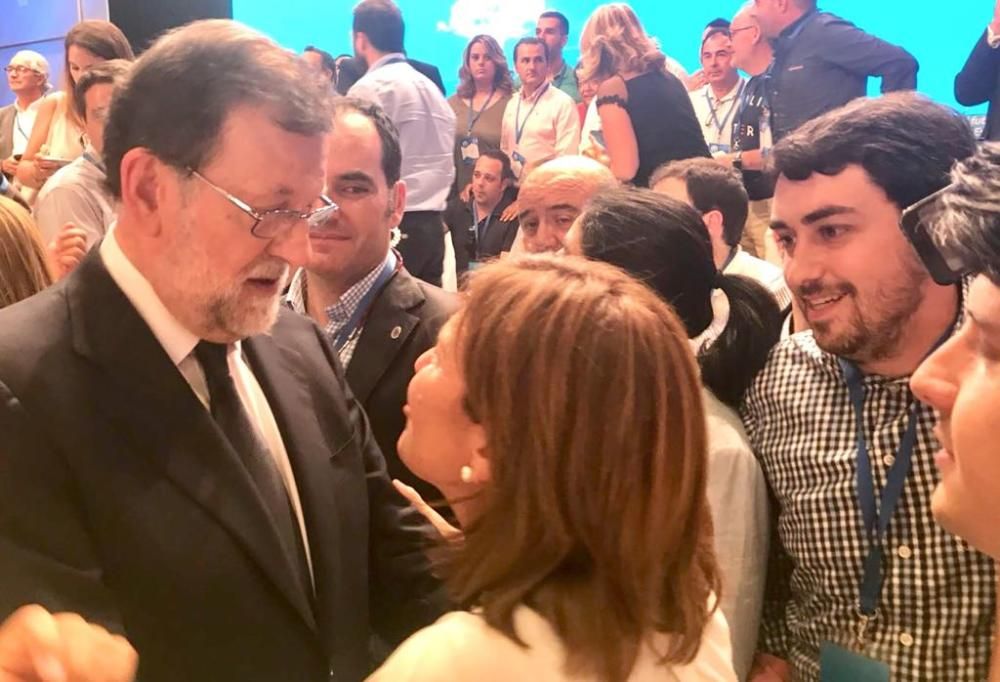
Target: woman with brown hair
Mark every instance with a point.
(57, 136)
(484, 88)
(24, 266)
(560, 414)
(646, 115)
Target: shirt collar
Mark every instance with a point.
(557, 79)
(392, 56)
(535, 96)
(791, 32)
(298, 296)
(729, 95)
(31, 107)
(175, 338)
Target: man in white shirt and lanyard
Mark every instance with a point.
(77, 194)
(28, 78)
(426, 125)
(716, 103)
(541, 121)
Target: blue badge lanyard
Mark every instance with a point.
(95, 160)
(721, 125)
(479, 234)
(474, 120)
(520, 125)
(393, 264)
(876, 520)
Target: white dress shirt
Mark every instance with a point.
(76, 194)
(179, 344)
(426, 125)
(24, 121)
(549, 124)
(716, 115)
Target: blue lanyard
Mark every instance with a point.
(473, 121)
(480, 234)
(95, 161)
(721, 125)
(876, 520)
(518, 124)
(354, 324)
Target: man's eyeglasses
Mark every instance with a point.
(270, 224)
(915, 221)
(737, 30)
(17, 69)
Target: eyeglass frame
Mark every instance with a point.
(315, 218)
(942, 269)
(20, 68)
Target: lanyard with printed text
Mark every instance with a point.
(519, 125)
(720, 126)
(392, 264)
(473, 120)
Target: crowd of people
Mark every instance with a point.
(602, 371)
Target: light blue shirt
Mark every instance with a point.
(426, 125)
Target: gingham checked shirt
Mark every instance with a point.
(338, 314)
(936, 611)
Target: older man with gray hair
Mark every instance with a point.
(183, 462)
(28, 79)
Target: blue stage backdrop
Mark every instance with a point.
(437, 30)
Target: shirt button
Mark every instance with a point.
(906, 639)
(888, 460)
(904, 552)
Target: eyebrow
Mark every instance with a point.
(355, 176)
(562, 207)
(826, 212)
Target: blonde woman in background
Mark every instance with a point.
(57, 136)
(645, 113)
(24, 263)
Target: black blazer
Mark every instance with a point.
(120, 500)
(403, 323)
(351, 71)
(432, 72)
(979, 81)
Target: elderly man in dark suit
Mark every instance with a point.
(182, 460)
(378, 316)
(979, 79)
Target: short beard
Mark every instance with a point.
(875, 333)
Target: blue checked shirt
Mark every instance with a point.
(340, 313)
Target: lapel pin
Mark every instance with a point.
(396, 331)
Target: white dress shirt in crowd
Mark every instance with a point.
(24, 121)
(76, 194)
(179, 344)
(716, 115)
(463, 646)
(549, 126)
(426, 125)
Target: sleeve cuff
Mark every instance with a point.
(992, 38)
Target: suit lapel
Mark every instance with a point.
(146, 398)
(284, 377)
(389, 325)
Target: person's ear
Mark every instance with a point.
(714, 223)
(481, 471)
(398, 193)
(144, 180)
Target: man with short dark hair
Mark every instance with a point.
(478, 229)
(718, 194)
(183, 462)
(862, 578)
(715, 104)
(540, 121)
(77, 193)
(377, 316)
(426, 125)
(553, 29)
(321, 61)
(822, 62)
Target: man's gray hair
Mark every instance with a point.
(180, 92)
(967, 224)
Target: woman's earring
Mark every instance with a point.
(465, 474)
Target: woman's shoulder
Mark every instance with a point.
(459, 645)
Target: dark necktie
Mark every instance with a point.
(231, 417)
